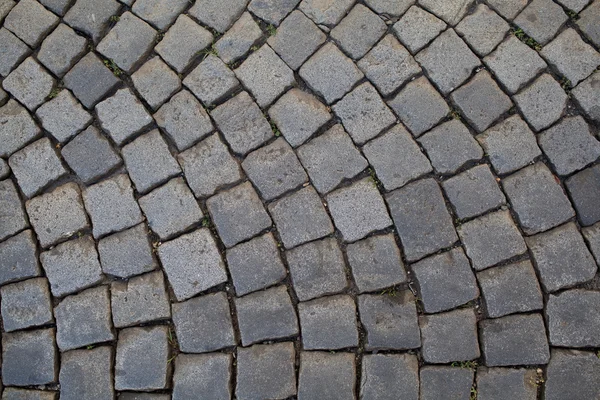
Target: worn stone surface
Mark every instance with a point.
(584, 188)
(541, 19)
(13, 51)
(238, 40)
(417, 28)
(90, 80)
(122, 116)
(29, 83)
(542, 114)
(390, 376)
(92, 16)
(219, 16)
(483, 30)
(506, 383)
(572, 373)
(127, 253)
(587, 97)
(63, 116)
(61, 49)
(200, 375)
(448, 10)
(440, 382)
(450, 336)
(325, 12)
(29, 358)
(26, 304)
(572, 320)
(358, 31)
(17, 128)
(30, 21)
(159, 13)
(588, 22)
(155, 82)
(272, 11)
(18, 258)
(319, 369)
(87, 374)
(211, 80)
(328, 323)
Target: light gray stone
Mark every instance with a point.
(509, 9)
(483, 30)
(26, 304)
(29, 358)
(13, 51)
(199, 375)
(390, 376)
(572, 318)
(63, 116)
(393, 8)
(448, 10)
(17, 128)
(592, 236)
(122, 116)
(588, 23)
(61, 49)
(29, 83)
(449, 336)
(238, 40)
(417, 28)
(319, 369)
(127, 253)
(57, 6)
(92, 16)
(211, 80)
(358, 31)
(87, 374)
(5, 7)
(541, 19)
(155, 82)
(325, 12)
(218, 15)
(160, 13)
(18, 258)
(587, 96)
(272, 11)
(30, 21)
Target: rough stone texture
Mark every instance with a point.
(514, 64)
(441, 382)
(300, 217)
(319, 369)
(363, 113)
(375, 263)
(29, 83)
(572, 374)
(13, 51)
(510, 289)
(182, 42)
(87, 374)
(419, 106)
(17, 128)
(274, 169)
(450, 336)
(29, 358)
(421, 219)
(541, 19)
(199, 375)
(18, 258)
(417, 28)
(390, 321)
(36, 166)
(61, 49)
(317, 269)
(26, 304)
(266, 315)
(255, 264)
(84, 319)
(506, 383)
(63, 116)
(155, 82)
(111, 205)
(298, 115)
(238, 214)
(192, 263)
(242, 123)
(483, 30)
(510, 145)
(592, 235)
(238, 40)
(30, 21)
(211, 80)
(142, 358)
(445, 281)
(272, 11)
(325, 12)
(390, 376)
(218, 15)
(358, 210)
(57, 215)
(509, 9)
(588, 23)
(358, 31)
(514, 340)
(584, 188)
(203, 323)
(573, 320)
(127, 253)
(25, 394)
(328, 323)
(330, 73)
(537, 199)
(122, 116)
(160, 13)
(587, 96)
(448, 10)
(91, 16)
(448, 61)
(561, 258)
(141, 299)
(297, 39)
(90, 80)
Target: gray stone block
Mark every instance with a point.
(56, 6)
(122, 116)
(63, 116)
(156, 82)
(587, 97)
(358, 31)
(330, 73)
(25, 394)
(87, 374)
(272, 11)
(417, 28)
(127, 253)
(26, 304)
(203, 323)
(328, 12)
(584, 188)
(328, 323)
(142, 358)
(266, 315)
(84, 319)
(92, 16)
(390, 321)
(238, 40)
(211, 80)
(90, 80)
(448, 10)
(541, 19)
(375, 263)
(18, 258)
(57, 215)
(200, 375)
(319, 369)
(192, 263)
(30, 21)
(5, 7)
(506, 383)
(483, 30)
(393, 8)
(561, 258)
(542, 103)
(141, 299)
(317, 269)
(29, 83)
(29, 358)
(573, 320)
(514, 340)
(238, 214)
(255, 264)
(509, 9)
(440, 382)
(589, 23)
(219, 16)
(421, 219)
(450, 336)
(266, 372)
(537, 199)
(592, 236)
(111, 205)
(445, 281)
(17, 128)
(61, 49)
(13, 51)
(12, 218)
(572, 374)
(159, 13)
(510, 289)
(390, 376)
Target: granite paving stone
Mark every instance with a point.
(156, 82)
(30, 21)
(205, 375)
(450, 11)
(509, 9)
(127, 253)
(13, 51)
(63, 116)
(417, 28)
(449, 336)
(17, 128)
(584, 188)
(587, 96)
(266, 372)
(192, 263)
(61, 49)
(514, 340)
(29, 358)
(592, 236)
(239, 39)
(326, 12)
(218, 15)
(358, 31)
(588, 23)
(326, 376)
(541, 19)
(572, 318)
(5, 7)
(182, 42)
(203, 324)
(87, 374)
(160, 13)
(440, 382)
(19, 258)
(122, 116)
(211, 80)
(561, 257)
(390, 376)
(11, 393)
(393, 8)
(4, 169)
(483, 30)
(574, 5)
(572, 373)
(506, 383)
(29, 83)
(84, 319)
(92, 16)
(317, 269)
(26, 304)
(272, 11)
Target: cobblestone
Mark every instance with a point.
(572, 321)
(328, 323)
(572, 373)
(327, 12)
(63, 116)
(92, 16)
(127, 253)
(29, 83)
(26, 304)
(584, 188)
(31, 351)
(156, 82)
(159, 13)
(61, 49)
(219, 16)
(417, 28)
(13, 51)
(541, 19)
(319, 369)
(17, 128)
(439, 382)
(587, 98)
(87, 374)
(122, 116)
(390, 376)
(588, 23)
(450, 336)
(211, 80)
(18, 258)
(238, 40)
(90, 80)
(215, 373)
(30, 21)
(449, 11)
(272, 11)
(358, 31)
(496, 383)
(483, 30)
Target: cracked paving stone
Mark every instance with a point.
(572, 374)
(272, 11)
(160, 13)
(587, 96)
(203, 323)
(390, 376)
(449, 10)
(589, 23)
(506, 383)
(514, 340)
(445, 280)
(90, 80)
(238, 40)
(17, 128)
(127, 253)
(92, 16)
(29, 83)
(63, 116)
(26, 304)
(358, 31)
(328, 323)
(141, 361)
(141, 299)
(18, 257)
(331, 158)
(417, 28)
(30, 21)
(122, 116)
(31, 351)
(84, 319)
(87, 374)
(206, 375)
(13, 51)
(318, 369)
(483, 30)
(441, 382)
(192, 263)
(61, 49)
(584, 188)
(573, 320)
(238, 214)
(266, 315)
(376, 263)
(390, 321)
(541, 19)
(298, 115)
(317, 269)
(561, 258)
(325, 12)
(218, 15)
(211, 80)
(182, 42)
(156, 82)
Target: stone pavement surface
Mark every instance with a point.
(300, 199)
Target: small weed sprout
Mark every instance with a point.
(271, 30)
(115, 18)
(275, 129)
(54, 93)
(391, 292)
(518, 32)
(110, 64)
(208, 51)
(472, 365)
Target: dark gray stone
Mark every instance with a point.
(445, 281)
(358, 31)
(514, 340)
(328, 12)
(13, 51)
(87, 374)
(541, 19)
(438, 383)
(390, 321)
(30, 21)
(17, 128)
(29, 358)
(84, 319)
(272, 11)
(203, 323)
(573, 320)
(448, 10)
(328, 323)
(211, 80)
(506, 384)
(63, 116)
(61, 49)
(266, 315)
(206, 375)
(417, 28)
(390, 376)
(238, 40)
(319, 369)
(127, 253)
(587, 97)
(218, 15)
(18, 258)
(145, 396)
(483, 30)
(542, 103)
(572, 374)
(450, 336)
(584, 188)
(26, 304)
(159, 13)
(12, 217)
(92, 16)
(156, 82)
(29, 83)
(122, 116)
